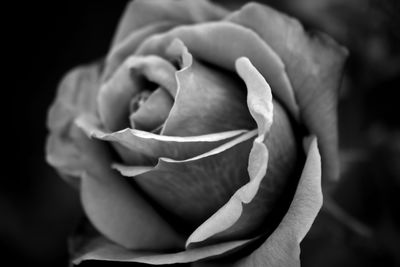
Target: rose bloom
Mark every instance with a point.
(201, 137)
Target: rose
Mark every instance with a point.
(204, 156)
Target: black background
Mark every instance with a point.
(45, 40)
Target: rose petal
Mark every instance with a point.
(194, 188)
(76, 93)
(153, 112)
(282, 248)
(115, 94)
(102, 249)
(112, 205)
(221, 43)
(314, 65)
(119, 212)
(207, 100)
(145, 147)
(261, 108)
(140, 13)
(123, 49)
(276, 188)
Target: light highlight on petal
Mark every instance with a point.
(282, 247)
(194, 188)
(314, 63)
(260, 105)
(101, 249)
(145, 148)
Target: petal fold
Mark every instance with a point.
(76, 93)
(102, 249)
(116, 93)
(193, 189)
(122, 214)
(259, 101)
(314, 64)
(221, 43)
(208, 99)
(121, 51)
(282, 247)
(140, 13)
(111, 204)
(145, 148)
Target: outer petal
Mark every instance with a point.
(221, 43)
(141, 13)
(314, 65)
(143, 18)
(102, 249)
(121, 51)
(261, 108)
(77, 93)
(282, 248)
(112, 205)
(118, 211)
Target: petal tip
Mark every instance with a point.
(177, 48)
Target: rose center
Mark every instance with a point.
(149, 109)
(138, 100)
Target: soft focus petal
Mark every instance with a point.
(314, 64)
(110, 203)
(77, 93)
(145, 148)
(195, 188)
(140, 13)
(282, 248)
(102, 249)
(208, 100)
(115, 94)
(221, 43)
(119, 212)
(259, 100)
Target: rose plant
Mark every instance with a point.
(198, 137)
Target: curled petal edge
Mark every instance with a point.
(259, 101)
(154, 145)
(132, 171)
(140, 13)
(314, 63)
(208, 41)
(102, 249)
(282, 248)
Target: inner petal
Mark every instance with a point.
(249, 206)
(221, 43)
(191, 190)
(149, 110)
(128, 81)
(209, 99)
